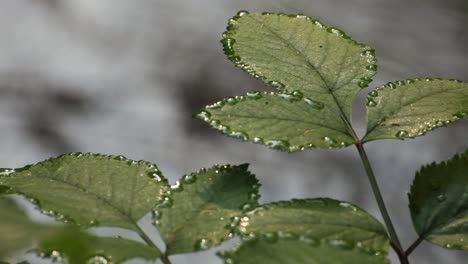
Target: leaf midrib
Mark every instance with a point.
(282, 119)
(290, 45)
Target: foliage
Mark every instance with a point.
(317, 71)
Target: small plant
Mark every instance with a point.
(317, 70)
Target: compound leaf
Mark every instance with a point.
(283, 121)
(438, 202)
(319, 219)
(291, 249)
(90, 189)
(410, 108)
(197, 213)
(295, 52)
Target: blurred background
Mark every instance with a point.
(125, 77)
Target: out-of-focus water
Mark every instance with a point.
(125, 77)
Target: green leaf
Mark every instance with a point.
(19, 232)
(320, 219)
(282, 121)
(197, 213)
(295, 52)
(90, 189)
(106, 249)
(438, 202)
(410, 108)
(287, 248)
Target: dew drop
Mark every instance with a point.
(391, 85)
(374, 94)
(166, 202)
(276, 85)
(240, 135)
(370, 102)
(55, 256)
(6, 172)
(348, 206)
(98, 260)
(216, 105)
(177, 187)
(203, 244)
(254, 196)
(372, 67)
(242, 13)
(459, 115)
(336, 31)
(291, 97)
(309, 240)
(157, 214)
(203, 115)
(363, 84)
(231, 101)
(228, 45)
(317, 23)
(402, 134)
(93, 222)
(341, 244)
(278, 144)
(188, 179)
(254, 95)
(368, 53)
(329, 140)
(441, 197)
(315, 104)
(246, 207)
(258, 140)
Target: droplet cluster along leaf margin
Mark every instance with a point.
(438, 202)
(283, 121)
(410, 108)
(296, 52)
(112, 190)
(297, 249)
(198, 212)
(319, 219)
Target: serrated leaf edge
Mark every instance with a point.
(154, 174)
(404, 134)
(276, 144)
(228, 43)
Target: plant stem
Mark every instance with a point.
(414, 245)
(164, 258)
(380, 202)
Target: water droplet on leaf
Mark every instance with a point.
(370, 102)
(402, 134)
(315, 104)
(240, 135)
(278, 144)
(276, 85)
(98, 260)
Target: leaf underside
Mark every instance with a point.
(296, 52)
(197, 213)
(410, 108)
(90, 189)
(299, 250)
(282, 121)
(320, 219)
(438, 202)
